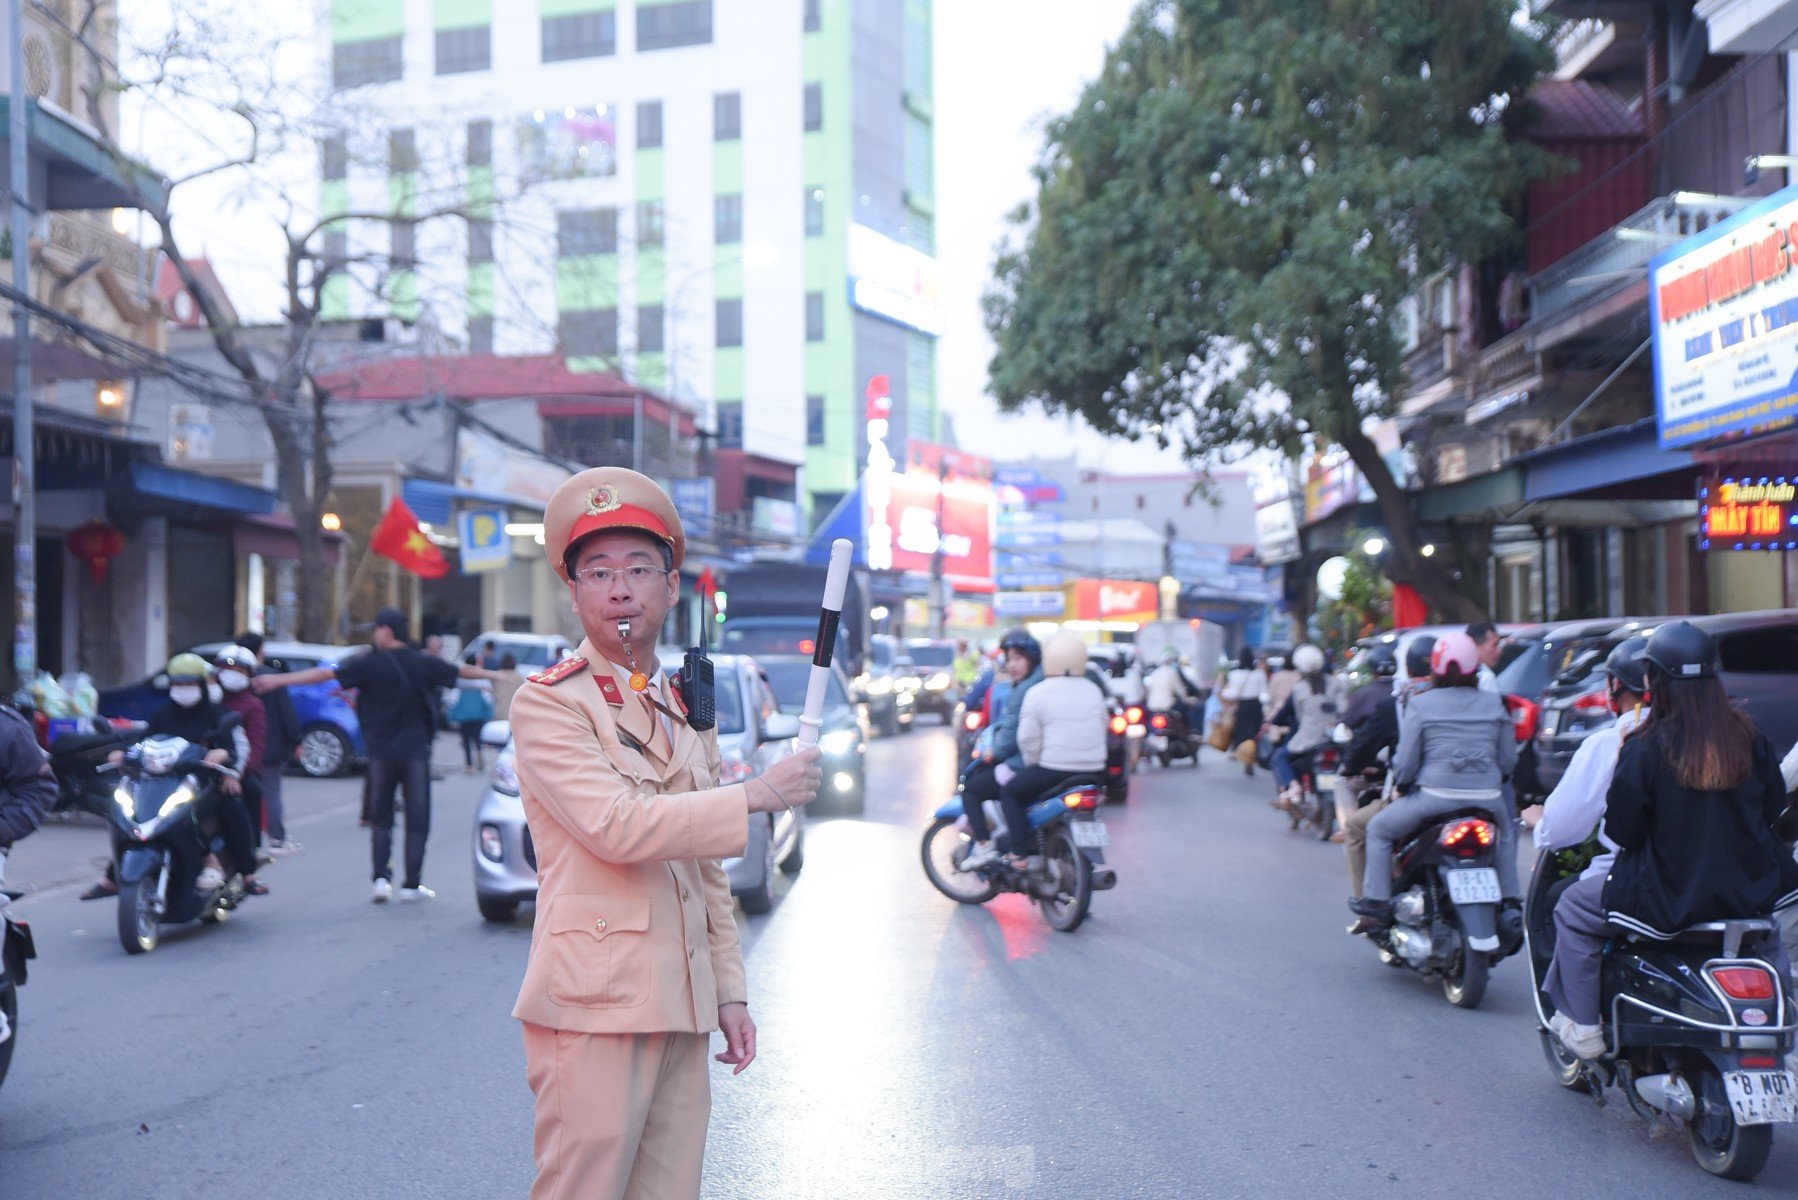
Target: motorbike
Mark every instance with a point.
(164, 825)
(1315, 809)
(76, 760)
(16, 949)
(1696, 1031)
(969, 722)
(1170, 738)
(1073, 852)
(1445, 906)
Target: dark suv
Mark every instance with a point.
(1759, 653)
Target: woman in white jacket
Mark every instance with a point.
(1061, 734)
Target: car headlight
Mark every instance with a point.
(938, 682)
(880, 687)
(837, 742)
(505, 775)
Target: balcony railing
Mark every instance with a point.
(1620, 255)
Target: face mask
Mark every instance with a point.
(186, 694)
(233, 681)
(214, 693)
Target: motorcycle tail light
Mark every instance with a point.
(972, 721)
(1525, 716)
(1158, 721)
(1468, 836)
(1134, 713)
(1759, 1062)
(1118, 724)
(1083, 799)
(1744, 983)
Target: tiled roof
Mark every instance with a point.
(1572, 109)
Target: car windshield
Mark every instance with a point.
(931, 654)
(730, 703)
(797, 638)
(1523, 668)
(528, 653)
(789, 679)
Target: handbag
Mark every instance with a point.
(1245, 753)
(1218, 736)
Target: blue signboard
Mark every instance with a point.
(1019, 580)
(1036, 558)
(485, 546)
(694, 500)
(1024, 538)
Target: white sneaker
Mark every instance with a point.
(421, 892)
(5, 1029)
(1584, 1041)
(982, 855)
(209, 880)
(383, 891)
(283, 849)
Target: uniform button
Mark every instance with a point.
(684, 895)
(599, 926)
(689, 952)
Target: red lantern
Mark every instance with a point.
(97, 543)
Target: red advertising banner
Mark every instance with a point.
(967, 533)
(1115, 600)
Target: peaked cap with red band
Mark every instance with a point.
(601, 498)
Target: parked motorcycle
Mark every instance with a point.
(1696, 1030)
(16, 949)
(1445, 902)
(164, 825)
(1073, 851)
(1171, 739)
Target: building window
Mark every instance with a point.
(730, 322)
(480, 143)
(814, 316)
(727, 116)
(402, 152)
(814, 107)
(814, 16)
(649, 124)
(814, 211)
(337, 248)
(334, 153)
(368, 60)
(590, 332)
(583, 231)
(580, 35)
(730, 424)
(568, 143)
(814, 420)
(920, 149)
(463, 50)
(480, 335)
(402, 243)
(727, 219)
(480, 240)
(649, 329)
(682, 23)
(649, 223)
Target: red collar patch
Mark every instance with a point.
(608, 687)
(572, 665)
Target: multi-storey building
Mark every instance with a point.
(728, 202)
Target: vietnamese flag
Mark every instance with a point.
(399, 537)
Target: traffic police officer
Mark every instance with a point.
(635, 958)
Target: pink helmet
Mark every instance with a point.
(1455, 654)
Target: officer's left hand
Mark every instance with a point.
(739, 1036)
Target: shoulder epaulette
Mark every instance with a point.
(573, 665)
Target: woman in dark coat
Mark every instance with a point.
(1244, 687)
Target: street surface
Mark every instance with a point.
(1209, 1032)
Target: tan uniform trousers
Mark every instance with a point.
(1354, 840)
(620, 1116)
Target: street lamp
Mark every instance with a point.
(1375, 546)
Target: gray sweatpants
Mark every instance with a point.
(1407, 814)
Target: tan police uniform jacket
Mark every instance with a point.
(634, 930)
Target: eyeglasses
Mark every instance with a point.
(634, 577)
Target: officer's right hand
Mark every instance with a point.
(794, 779)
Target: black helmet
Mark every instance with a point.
(1681, 650)
(1021, 641)
(1382, 660)
(1417, 656)
(1625, 664)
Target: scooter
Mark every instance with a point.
(1696, 1030)
(76, 760)
(1073, 851)
(1170, 738)
(16, 949)
(163, 828)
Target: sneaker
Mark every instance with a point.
(1584, 1041)
(5, 1029)
(982, 855)
(210, 879)
(284, 848)
(383, 891)
(421, 892)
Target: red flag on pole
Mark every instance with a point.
(1408, 609)
(399, 537)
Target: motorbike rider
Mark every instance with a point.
(1456, 746)
(1309, 712)
(966, 667)
(1168, 690)
(27, 785)
(234, 666)
(1379, 732)
(1365, 707)
(1061, 734)
(192, 714)
(1692, 809)
(1022, 657)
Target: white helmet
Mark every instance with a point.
(1065, 654)
(1308, 659)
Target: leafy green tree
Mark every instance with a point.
(1227, 221)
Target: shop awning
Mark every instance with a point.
(78, 172)
(1625, 463)
(434, 503)
(272, 537)
(1494, 492)
(157, 488)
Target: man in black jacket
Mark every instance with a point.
(282, 740)
(27, 786)
(1375, 726)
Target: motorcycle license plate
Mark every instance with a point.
(1551, 721)
(1762, 1097)
(1475, 885)
(1091, 835)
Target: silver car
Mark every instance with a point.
(752, 733)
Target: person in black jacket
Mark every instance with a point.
(27, 786)
(1692, 808)
(1374, 731)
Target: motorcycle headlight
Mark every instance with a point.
(124, 801)
(505, 775)
(938, 682)
(880, 687)
(837, 742)
(180, 796)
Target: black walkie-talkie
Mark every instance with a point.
(696, 689)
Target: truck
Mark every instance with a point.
(772, 608)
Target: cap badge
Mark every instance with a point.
(602, 499)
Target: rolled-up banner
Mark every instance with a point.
(836, 581)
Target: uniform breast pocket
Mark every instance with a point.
(599, 951)
(630, 763)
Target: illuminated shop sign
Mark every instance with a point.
(892, 280)
(1748, 514)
